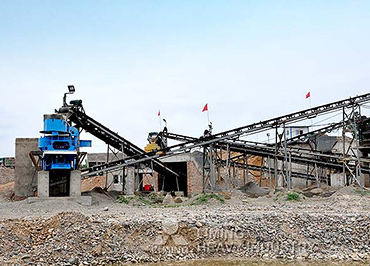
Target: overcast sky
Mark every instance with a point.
(249, 60)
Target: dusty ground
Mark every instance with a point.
(328, 225)
(344, 201)
(7, 174)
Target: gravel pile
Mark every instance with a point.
(252, 190)
(6, 175)
(158, 234)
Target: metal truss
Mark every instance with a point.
(77, 115)
(281, 152)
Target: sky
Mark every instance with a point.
(249, 60)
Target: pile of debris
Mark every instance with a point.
(7, 175)
(75, 239)
(254, 191)
(324, 191)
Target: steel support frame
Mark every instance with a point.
(351, 154)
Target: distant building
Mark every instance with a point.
(189, 165)
(296, 131)
(7, 161)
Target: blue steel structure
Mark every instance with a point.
(59, 144)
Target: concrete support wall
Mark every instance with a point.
(130, 181)
(75, 184)
(195, 179)
(366, 177)
(110, 180)
(43, 184)
(337, 180)
(25, 177)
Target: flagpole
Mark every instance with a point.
(160, 120)
(310, 108)
(205, 108)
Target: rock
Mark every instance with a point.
(168, 199)
(178, 200)
(74, 260)
(179, 240)
(106, 208)
(97, 251)
(225, 194)
(198, 224)
(179, 193)
(316, 191)
(170, 226)
(227, 197)
(26, 256)
(304, 255)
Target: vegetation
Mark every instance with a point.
(123, 199)
(292, 196)
(362, 192)
(156, 197)
(144, 200)
(204, 198)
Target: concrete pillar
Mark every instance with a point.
(43, 184)
(75, 184)
(366, 177)
(280, 183)
(110, 181)
(130, 181)
(366, 180)
(25, 177)
(337, 180)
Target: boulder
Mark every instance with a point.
(178, 200)
(168, 199)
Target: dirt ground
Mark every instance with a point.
(325, 199)
(329, 223)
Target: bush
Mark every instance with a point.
(144, 200)
(123, 199)
(134, 199)
(204, 198)
(292, 196)
(156, 197)
(362, 192)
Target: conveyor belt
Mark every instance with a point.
(229, 135)
(295, 117)
(257, 168)
(298, 155)
(292, 140)
(82, 120)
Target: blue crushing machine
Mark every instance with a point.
(60, 143)
(59, 147)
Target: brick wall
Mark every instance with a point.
(195, 179)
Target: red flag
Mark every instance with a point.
(159, 112)
(308, 95)
(205, 107)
